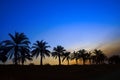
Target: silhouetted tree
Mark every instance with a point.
(83, 54)
(58, 52)
(25, 55)
(75, 57)
(66, 56)
(3, 56)
(88, 55)
(115, 59)
(14, 46)
(99, 56)
(93, 59)
(40, 48)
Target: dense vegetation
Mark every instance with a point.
(18, 49)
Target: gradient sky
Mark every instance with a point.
(74, 24)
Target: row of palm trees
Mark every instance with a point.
(18, 49)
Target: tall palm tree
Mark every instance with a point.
(15, 45)
(58, 52)
(40, 48)
(83, 54)
(66, 56)
(99, 56)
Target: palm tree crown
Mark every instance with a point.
(15, 45)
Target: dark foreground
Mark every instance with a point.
(73, 72)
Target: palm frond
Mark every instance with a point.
(12, 37)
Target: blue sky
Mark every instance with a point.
(74, 24)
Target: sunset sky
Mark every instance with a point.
(74, 24)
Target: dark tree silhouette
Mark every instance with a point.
(14, 46)
(25, 55)
(3, 56)
(99, 56)
(115, 59)
(75, 57)
(40, 48)
(93, 59)
(83, 54)
(66, 56)
(58, 52)
(88, 55)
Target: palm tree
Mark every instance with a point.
(99, 56)
(88, 55)
(14, 46)
(58, 52)
(25, 55)
(83, 54)
(75, 56)
(66, 56)
(40, 48)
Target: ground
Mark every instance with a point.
(72, 72)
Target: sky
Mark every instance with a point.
(74, 24)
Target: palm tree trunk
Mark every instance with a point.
(89, 60)
(15, 55)
(59, 59)
(68, 61)
(22, 61)
(41, 59)
(83, 61)
(76, 61)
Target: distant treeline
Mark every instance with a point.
(19, 51)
